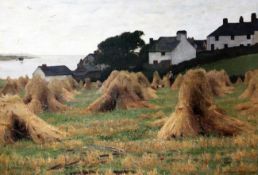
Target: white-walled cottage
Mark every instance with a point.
(234, 34)
(176, 49)
(52, 72)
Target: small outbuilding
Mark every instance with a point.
(53, 72)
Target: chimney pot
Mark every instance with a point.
(180, 34)
(151, 40)
(253, 17)
(241, 19)
(225, 21)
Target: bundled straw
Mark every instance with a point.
(219, 82)
(156, 81)
(14, 86)
(39, 97)
(177, 83)
(251, 93)
(166, 81)
(196, 113)
(18, 122)
(125, 90)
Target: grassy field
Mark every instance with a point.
(124, 141)
(2, 82)
(235, 66)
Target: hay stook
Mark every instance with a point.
(219, 82)
(126, 90)
(18, 122)
(40, 98)
(177, 83)
(156, 81)
(251, 93)
(196, 113)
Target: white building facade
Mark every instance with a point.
(176, 49)
(234, 34)
(50, 73)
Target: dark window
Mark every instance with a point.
(248, 36)
(232, 37)
(241, 45)
(217, 38)
(155, 62)
(248, 44)
(163, 53)
(212, 47)
(225, 46)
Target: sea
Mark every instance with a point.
(15, 68)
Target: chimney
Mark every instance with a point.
(253, 17)
(225, 21)
(181, 34)
(151, 40)
(241, 19)
(44, 65)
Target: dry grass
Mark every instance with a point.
(177, 83)
(14, 86)
(250, 108)
(126, 90)
(17, 122)
(196, 113)
(103, 128)
(156, 81)
(41, 96)
(219, 82)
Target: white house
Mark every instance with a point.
(52, 72)
(234, 34)
(176, 49)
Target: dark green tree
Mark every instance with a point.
(120, 51)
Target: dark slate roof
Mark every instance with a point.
(87, 68)
(164, 44)
(245, 28)
(55, 70)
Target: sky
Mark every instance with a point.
(75, 27)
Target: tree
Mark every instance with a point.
(120, 51)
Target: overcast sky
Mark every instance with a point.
(77, 26)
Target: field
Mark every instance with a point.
(241, 64)
(124, 141)
(2, 82)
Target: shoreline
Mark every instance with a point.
(13, 57)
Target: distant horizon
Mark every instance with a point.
(67, 27)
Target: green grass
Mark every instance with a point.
(2, 83)
(235, 66)
(125, 130)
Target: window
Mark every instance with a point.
(216, 38)
(241, 45)
(155, 62)
(212, 47)
(248, 44)
(225, 46)
(232, 37)
(248, 36)
(163, 53)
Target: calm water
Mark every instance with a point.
(15, 68)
